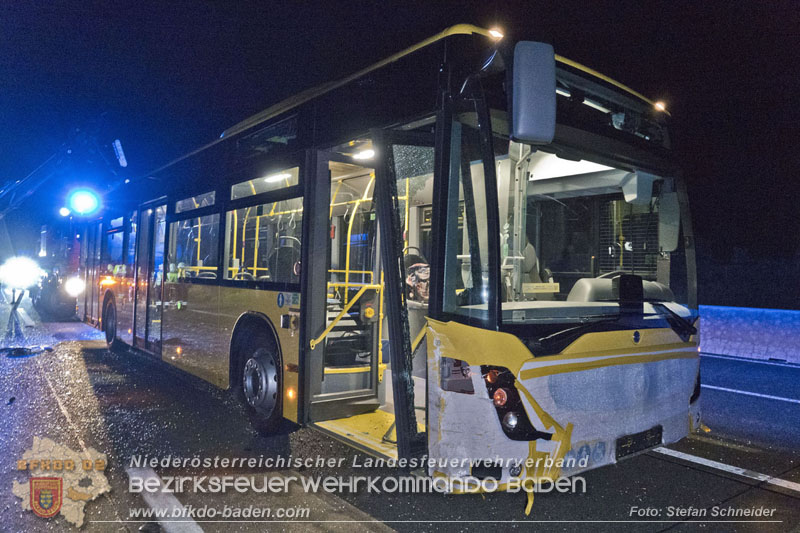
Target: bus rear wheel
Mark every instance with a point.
(110, 323)
(260, 385)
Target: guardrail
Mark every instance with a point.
(750, 332)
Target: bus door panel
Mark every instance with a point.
(343, 288)
(127, 287)
(154, 303)
(95, 243)
(404, 191)
(149, 277)
(141, 274)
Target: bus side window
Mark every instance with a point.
(193, 245)
(263, 242)
(112, 259)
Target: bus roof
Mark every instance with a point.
(314, 92)
(458, 29)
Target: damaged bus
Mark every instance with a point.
(474, 248)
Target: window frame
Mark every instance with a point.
(225, 204)
(258, 284)
(195, 213)
(107, 230)
(269, 167)
(442, 166)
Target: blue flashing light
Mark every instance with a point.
(83, 202)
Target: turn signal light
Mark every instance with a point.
(491, 376)
(500, 397)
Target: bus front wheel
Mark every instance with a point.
(260, 385)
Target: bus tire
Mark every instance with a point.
(110, 323)
(260, 385)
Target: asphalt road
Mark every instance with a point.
(757, 401)
(124, 404)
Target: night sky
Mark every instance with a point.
(165, 77)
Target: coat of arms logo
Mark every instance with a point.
(46, 496)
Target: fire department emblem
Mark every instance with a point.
(46, 496)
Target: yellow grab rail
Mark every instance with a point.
(353, 272)
(313, 343)
(350, 233)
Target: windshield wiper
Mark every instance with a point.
(556, 342)
(682, 326)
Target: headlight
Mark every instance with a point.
(74, 286)
(511, 420)
(20, 273)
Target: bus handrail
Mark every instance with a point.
(313, 342)
(352, 272)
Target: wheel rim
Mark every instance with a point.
(111, 324)
(260, 382)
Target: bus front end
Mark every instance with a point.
(563, 329)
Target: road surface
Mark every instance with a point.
(126, 405)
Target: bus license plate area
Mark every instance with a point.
(638, 442)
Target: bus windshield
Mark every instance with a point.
(568, 226)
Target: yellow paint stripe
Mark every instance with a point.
(347, 370)
(678, 346)
(601, 363)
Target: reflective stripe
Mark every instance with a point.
(572, 366)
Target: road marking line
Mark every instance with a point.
(790, 485)
(749, 360)
(63, 410)
(75, 429)
(164, 502)
(748, 393)
(723, 444)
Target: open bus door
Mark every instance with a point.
(405, 200)
(341, 288)
(359, 372)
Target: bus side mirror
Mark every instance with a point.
(533, 93)
(669, 221)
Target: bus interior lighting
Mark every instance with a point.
(364, 154)
(275, 178)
